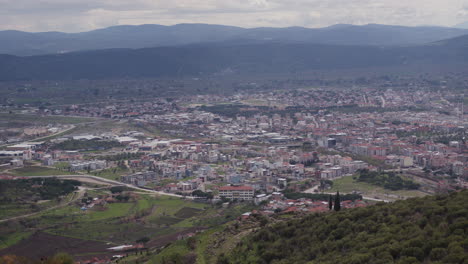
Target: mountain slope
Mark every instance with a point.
(223, 58)
(422, 230)
(24, 43)
(457, 43)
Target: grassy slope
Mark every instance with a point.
(210, 243)
(112, 173)
(122, 223)
(116, 222)
(7, 241)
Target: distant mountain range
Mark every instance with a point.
(144, 36)
(463, 25)
(230, 58)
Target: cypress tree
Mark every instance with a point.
(330, 202)
(337, 202)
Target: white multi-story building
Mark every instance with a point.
(237, 192)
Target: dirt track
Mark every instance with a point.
(77, 196)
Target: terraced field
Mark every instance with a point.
(160, 218)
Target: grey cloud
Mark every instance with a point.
(80, 15)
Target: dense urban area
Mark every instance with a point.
(115, 179)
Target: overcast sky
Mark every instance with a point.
(83, 15)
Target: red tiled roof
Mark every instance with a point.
(318, 209)
(291, 209)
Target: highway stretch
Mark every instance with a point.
(79, 194)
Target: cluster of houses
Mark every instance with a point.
(265, 149)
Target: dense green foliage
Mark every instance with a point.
(337, 204)
(35, 189)
(119, 189)
(418, 230)
(388, 180)
(321, 196)
(59, 258)
(199, 193)
(86, 145)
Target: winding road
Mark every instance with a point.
(81, 191)
(77, 195)
(83, 177)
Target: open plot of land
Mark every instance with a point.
(112, 173)
(40, 245)
(187, 212)
(118, 222)
(37, 171)
(160, 218)
(347, 185)
(166, 220)
(30, 119)
(18, 209)
(11, 210)
(106, 125)
(203, 248)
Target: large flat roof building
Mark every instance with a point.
(237, 192)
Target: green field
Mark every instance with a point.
(30, 119)
(181, 248)
(111, 174)
(9, 240)
(204, 246)
(120, 222)
(347, 185)
(12, 210)
(37, 171)
(117, 223)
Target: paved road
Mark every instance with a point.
(82, 190)
(40, 138)
(111, 182)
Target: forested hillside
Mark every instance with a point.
(211, 60)
(142, 36)
(422, 230)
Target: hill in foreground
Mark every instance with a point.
(419, 230)
(423, 230)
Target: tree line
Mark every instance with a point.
(35, 189)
